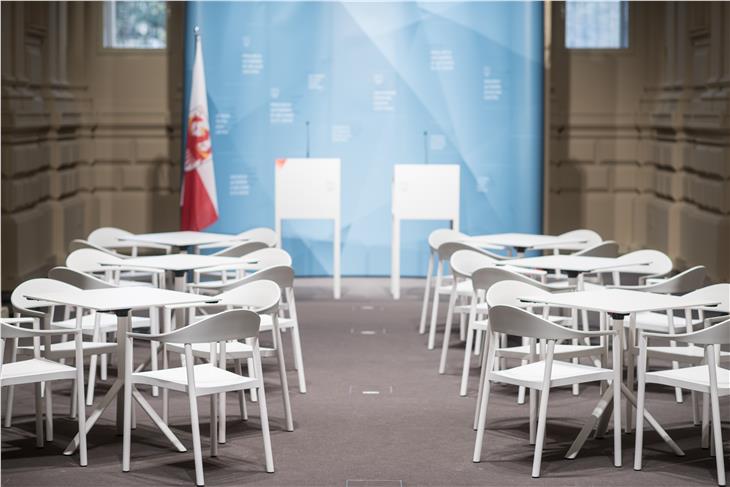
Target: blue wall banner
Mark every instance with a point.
(373, 84)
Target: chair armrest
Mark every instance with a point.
(213, 302)
(17, 320)
(144, 336)
(12, 331)
(222, 244)
(715, 319)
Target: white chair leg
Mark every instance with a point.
(49, 411)
(462, 324)
(73, 406)
(238, 367)
(214, 425)
(705, 420)
(482, 374)
(484, 397)
(640, 399)
(38, 416)
(265, 431)
(521, 389)
(282, 377)
(466, 366)
(222, 418)
(477, 342)
(93, 364)
(11, 389)
(447, 330)
(435, 308)
(154, 328)
(533, 416)
(298, 360)
(426, 293)
(540, 438)
(253, 391)
(195, 429)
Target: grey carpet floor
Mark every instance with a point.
(376, 414)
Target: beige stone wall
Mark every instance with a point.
(90, 136)
(640, 138)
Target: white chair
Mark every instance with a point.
(509, 292)
(709, 379)
(649, 264)
(261, 296)
(541, 375)
(211, 379)
(435, 239)
(259, 234)
(443, 282)
(78, 243)
(216, 276)
(589, 237)
(482, 280)
(113, 238)
(39, 310)
(42, 370)
(113, 268)
(463, 263)
(607, 248)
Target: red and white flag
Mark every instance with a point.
(198, 197)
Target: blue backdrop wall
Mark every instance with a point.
(375, 84)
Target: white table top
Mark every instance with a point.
(181, 262)
(522, 240)
(575, 263)
(181, 239)
(120, 298)
(619, 301)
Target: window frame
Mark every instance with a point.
(592, 51)
(102, 23)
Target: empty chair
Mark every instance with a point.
(115, 238)
(240, 249)
(39, 370)
(261, 296)
(483, 279)
(113, 268)
(649, 264)
(607, 248)
(211, 379)
(444, 253)
(709, 379)
(259, 234)
(78, 243)
(589, 239)
(214, 277)
(542, 374)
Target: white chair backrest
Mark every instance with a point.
(607, 248)
(715, 292)
(240, 249)
(659, 263)
(282, 275)
(518, 322)
(464, 262)
(261, 296)
(718, 334)
(78, 279)
(269, 257)
(591, 238)
(91, 260)
(483, 279)
(23, 305)
(437, 237)
(236, 324)
(260, 234)
(684, 282)
(85, 244)
(108, 236)
(509, 293)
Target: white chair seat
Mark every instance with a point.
(692, 353)
(34, 370)
(234, 350)
(561, 351)
(267, 323)
(107, 322)
(658, 323)
(463, 288)
(208, 379)
(692, 378)
(563, 373)
(68, 349)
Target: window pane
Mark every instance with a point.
(596, 25)
(135, 25)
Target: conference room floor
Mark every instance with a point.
(376, 414)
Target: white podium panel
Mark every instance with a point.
(422, 192)
(309, 189)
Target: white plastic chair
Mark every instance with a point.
(261, 296)
(541, 375)
(114, 238)
(113, 268)
(482, 280)
(42, 370)
(211, 379)
(589, 237)
(217, 276)
(443, 282)
(649, 264)
(708, 379)
(259, 234)
(463, 263)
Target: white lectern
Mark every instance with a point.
(309, 189)
(421, 192)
